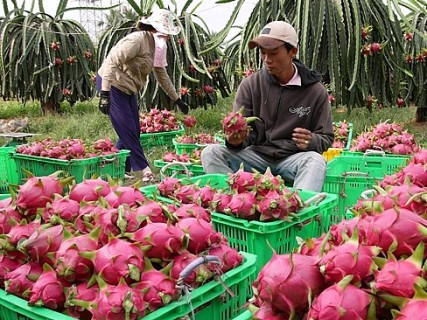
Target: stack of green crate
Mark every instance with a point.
(159, 139)
(349, 175)
(111, 165)
(219, 299)
(8, 171)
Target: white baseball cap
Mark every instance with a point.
(274, 34)
(162, 21)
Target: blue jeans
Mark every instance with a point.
(307, 169)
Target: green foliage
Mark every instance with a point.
(46, 59)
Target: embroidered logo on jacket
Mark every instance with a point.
(300, 111)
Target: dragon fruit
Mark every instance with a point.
(116, 260)
(349, 258)
(192, 210)
(289, 282)
(229, 257)
(124, 194)
(150, 210)
(21, 280)
(201, 234)
(266, 312)
(243, 205)
(89, 190)
(159, 240)
(36, 192)
(277, 205)
(197, 277)
(266, 182)
(62, 207)
(41, 242)
(411, 309)
(48, 290)
(315, 247)
(107, 220)
(220, 201)
(168, 185)
(344, 229)
(7, 264)
(204, 196)
(158, 288)
(9, 217)
(236, 124)
(185, 194)
(397, 277)
(241, 180)
(397, 230)
(342, 301)
(85, 291)
(69, 264)
(114, 302)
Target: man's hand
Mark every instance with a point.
(104, 102)
(236, 138)
(302, 138)
(182, 106)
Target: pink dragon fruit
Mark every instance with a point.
(229, 257)
(342, 301)
(204, 196)
(185, 194)
(89, 190)
(420, 157)
(48, 290)
(241, 180)
(344, 229)
(197, 277)
(117, 259)
(21, 280)
(160, 240)
(397, 277)
(397, 230)
(9, 217)
(192, 210)
(36, 192)
(124, 194)
(168, 185)
(415, 173)
(236, 124)
(277, 205)
(267, 181)
(349, 258)
(85, 291)
(69, 264)
(62, 207)
(266, 312)
(411, 309)
(7, 264)
(41, 242)
(150, 210)
(201, 234)
(158, 288)
(289, 282)
(220, 201)
(107, 220)
(243, 205)
(114, 302)
(315, 247)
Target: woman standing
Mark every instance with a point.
(124, 73)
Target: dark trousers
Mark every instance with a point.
(124, 116)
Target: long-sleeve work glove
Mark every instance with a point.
(104, 102)
(182, 106)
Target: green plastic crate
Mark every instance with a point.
(178, 170)
(213, 300)
(8, 171)
(112, 165)
(183, 148)
(15, 308)
(247, 315)
(348, 176)
(156, 139)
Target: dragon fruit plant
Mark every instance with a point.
(99, 250)
(388, 137)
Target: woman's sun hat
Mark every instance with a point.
(163, 21)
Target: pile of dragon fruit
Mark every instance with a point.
(198, 138)
(387, 137)
(190, 157)
(341, 134)
(249, 196)
(103, 250)
(67, 149)
(158, 120)
(372, 266)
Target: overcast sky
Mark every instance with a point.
(215, 15)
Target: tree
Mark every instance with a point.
(44, 57)
(355, 44)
